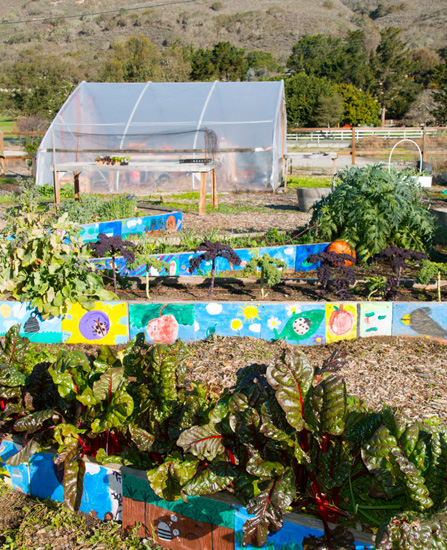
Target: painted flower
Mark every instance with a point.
(293, 308)
(236, 324)
(273, 322)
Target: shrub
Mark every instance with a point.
(372, 209)
(45, 264)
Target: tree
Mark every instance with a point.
(303, 94)
(261, 64)
(440, 95)
(139, 60)
(393, 70)
(224, 62)
(38, 84)
(328, 111)
(359, 108)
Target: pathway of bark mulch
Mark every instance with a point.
(409, 373)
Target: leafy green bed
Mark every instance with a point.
(284, 437)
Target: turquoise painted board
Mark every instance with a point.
(289, 537)
(35, 328)
(197, 508)
(284, 253)
(227, 319)
(162, 323)
(415, 319)
(375, 319)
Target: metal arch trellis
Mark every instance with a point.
(418, 148)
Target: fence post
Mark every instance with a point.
(2, 155)
(353, 146)
(424, 143)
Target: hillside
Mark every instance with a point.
(272, 25)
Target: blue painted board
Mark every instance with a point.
(48, 331)
(419, 319)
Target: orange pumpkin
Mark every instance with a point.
(342, 247)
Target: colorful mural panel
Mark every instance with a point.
(132, 228)
(341, 322)
(228, 319)
(415, 319)
(289, 537)
(20, 475)
(296, 323)
(162, 323)
(105, 324)
(375, 319)
(48, 331)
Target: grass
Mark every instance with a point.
(6, 124)
(308, 181)
(43, 520)
(8, 198)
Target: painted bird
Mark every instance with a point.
(301, 325)
(421, 322)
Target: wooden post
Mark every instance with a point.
(214, 187)
(202, 198)
(424, 144)
(77, 194)
(353, 146)
(2, 155)
(283, 168)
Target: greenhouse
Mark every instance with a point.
(163, 137)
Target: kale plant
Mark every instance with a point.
(114, 246)
(144, 256)
(372, 209)
(397, 258)
(212, 251)
(330, 261)
(271, 269)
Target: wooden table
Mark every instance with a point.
(197, 168)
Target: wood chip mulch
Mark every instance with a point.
(409, 373)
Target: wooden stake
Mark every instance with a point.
(214, 187)
(77, 193)
(353, 146)
(202, 198)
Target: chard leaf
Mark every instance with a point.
(11, 377)
(205, 442)
(142, 439)
(414, 482)
(291, 380)
(32, 422)
(10, 393)
(108, 383)
(10, 409)
(14, 347)
(74, 472)
(24, 454)
(105, 359)
(267, 507)
(168, 479)
(115, 414)
(214, 478)
(258, 467)
(333, 406)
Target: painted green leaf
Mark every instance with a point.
(205, 442)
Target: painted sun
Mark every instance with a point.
(250, 312)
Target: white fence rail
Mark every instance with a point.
(321, 135)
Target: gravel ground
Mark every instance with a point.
(409, 373)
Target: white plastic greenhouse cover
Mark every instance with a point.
(239, 125)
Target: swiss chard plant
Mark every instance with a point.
(341, 263)
(397, 258)
(44, 263)
(210, 252)
(271, 270)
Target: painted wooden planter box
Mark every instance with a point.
(294, 256)
(132, 228)
(124, 494)
(299, 323)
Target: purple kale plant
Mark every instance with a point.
(333, 261)
(212, 251)
(115, 246)
(397, 259)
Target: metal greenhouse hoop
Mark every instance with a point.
(418, 148)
